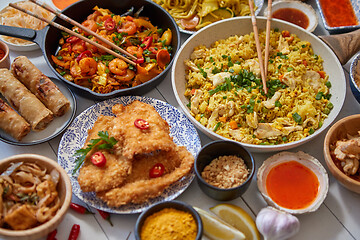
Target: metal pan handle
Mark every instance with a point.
(23, 33)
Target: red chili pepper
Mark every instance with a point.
(147, 42)
(51, 235)
(79, 208)
(140, 60)
(141, 123)
(86, 53)
(157, 170)
(98, 159)
(109, 24)
(72, 39)
(106, 216)
(74, 233)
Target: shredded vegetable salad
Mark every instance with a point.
(86, 65)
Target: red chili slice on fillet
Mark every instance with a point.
(157, 170)
(98, 159)
(141, 123)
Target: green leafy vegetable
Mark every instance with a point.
(80, 154)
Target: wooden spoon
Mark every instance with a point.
(344, 45)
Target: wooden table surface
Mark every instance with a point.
(337, 218)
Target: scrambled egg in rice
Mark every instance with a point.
(226, 93)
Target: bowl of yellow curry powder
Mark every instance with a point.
(169, 220)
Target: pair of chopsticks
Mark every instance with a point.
(69, 20)
(258, 47)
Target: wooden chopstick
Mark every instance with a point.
(73, 22)
(62, 28)
(258, 47)
(267, 43)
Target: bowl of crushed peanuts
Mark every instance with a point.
(169, 220)
(224, 170)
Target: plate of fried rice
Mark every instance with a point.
(216, 81)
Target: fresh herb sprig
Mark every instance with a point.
(80, 154)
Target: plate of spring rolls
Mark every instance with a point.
(33, 107)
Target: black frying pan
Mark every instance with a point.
(48, 37)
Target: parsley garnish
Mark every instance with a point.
(80, 154)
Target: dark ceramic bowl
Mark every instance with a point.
(222, 148)
(169, 204)
(355, 75)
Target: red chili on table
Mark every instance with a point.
(98, 159)
(141, 123)
(74, 233)
(105, 215)
(79, 208)
(157, 170)
(51, 235)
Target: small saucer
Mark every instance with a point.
(303, 7)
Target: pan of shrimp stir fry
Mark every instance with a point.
(88, 66)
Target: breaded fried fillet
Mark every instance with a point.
(140, 141)
(117, 168)
(139, 187)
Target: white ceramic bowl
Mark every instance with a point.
(306, 160)
(242, 26)
(303, 7)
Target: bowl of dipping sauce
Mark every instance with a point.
(295, 12)
(341, 152)
(4, 56)
(293, 182)
(62, 4)
(340, 15)
(169, 220)
(224, 170)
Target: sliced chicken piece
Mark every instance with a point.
(199, 53)
(283, 46)
(291, 80)
(212, 120)
(312, 78)
(266, 130)
(252, 120)
(219, 78)
(347, 149)
(351, 166)
(253, 66)
(195, 101)
(237, 134)
(270, 103)
(191, 65)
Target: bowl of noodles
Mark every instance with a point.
(216, 81)
(192, 16)
(36, 194)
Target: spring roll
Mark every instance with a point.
(23, 101)
(12, 123)
(40, 85)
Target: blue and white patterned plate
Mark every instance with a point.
(181, 129)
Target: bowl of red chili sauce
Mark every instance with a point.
(4, 56)
(345, 17)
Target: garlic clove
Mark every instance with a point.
(275, 224)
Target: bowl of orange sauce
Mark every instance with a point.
(293, 182)
(346, 17)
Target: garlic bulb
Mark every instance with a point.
(274, 224)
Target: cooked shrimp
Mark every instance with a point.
(129, 75)
(90, 24)
(88, 66)
(79, 46)
(135, 50)
(127, 27)
(118, 66)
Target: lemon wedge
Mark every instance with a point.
(238, 218)
(216, 229)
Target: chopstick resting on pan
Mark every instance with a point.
(62, 28)
(267, 42)
(75, 23)
(258, 47)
